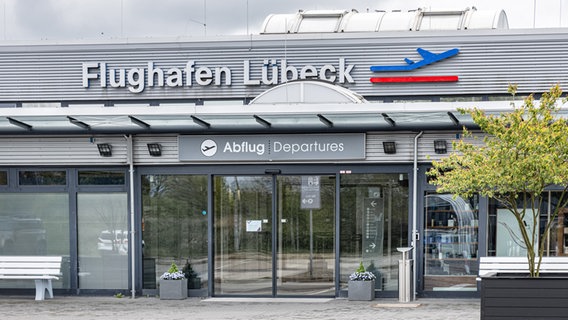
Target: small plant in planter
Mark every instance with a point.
(361, 284)
(173, 284)
(173, 273)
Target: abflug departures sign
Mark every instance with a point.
(272, 147)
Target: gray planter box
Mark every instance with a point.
(361, 290)
(173, 289)
(509, 297)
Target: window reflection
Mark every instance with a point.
(35, 224)
(499, 237)
(101, 178)
(174, 227)
(102, 232)
(42, 178)
(450, 242)
(374, 222)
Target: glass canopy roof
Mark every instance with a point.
(293, 107)
(259, 118)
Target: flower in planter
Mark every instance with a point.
(173, 273)
(361, 274)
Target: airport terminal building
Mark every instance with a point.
(270, 164)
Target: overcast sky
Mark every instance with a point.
(112, 19)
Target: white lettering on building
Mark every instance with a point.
(244, 147)
(313, 147)
(266, 72)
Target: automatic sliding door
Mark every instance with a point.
(243, 235)
(305, 259)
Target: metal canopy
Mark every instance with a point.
(296, 118)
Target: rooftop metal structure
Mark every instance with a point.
(422, 19)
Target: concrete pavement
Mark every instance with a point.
(96, 307)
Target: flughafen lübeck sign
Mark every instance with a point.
(273, 72)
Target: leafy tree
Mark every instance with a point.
(524, 152)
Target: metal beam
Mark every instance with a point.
(262, 121)
(19, 123)
(388, 119)
(325, 120)
(79, 123)
(453, 118)
(200, 122)
(139, 122)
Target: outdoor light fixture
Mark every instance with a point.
(155, 149)
(105, 149)
(440, 146)
(389, 147)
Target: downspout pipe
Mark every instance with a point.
(415, 234)
(130, 161)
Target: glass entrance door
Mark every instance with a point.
(274, 235)
(243, 235)
(306, 259)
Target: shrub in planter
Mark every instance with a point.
(361, 285)
(173, 284)
(193, 281)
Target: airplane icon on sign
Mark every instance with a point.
(428, 58)
(207, 148)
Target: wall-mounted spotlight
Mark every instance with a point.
(440, 146)
(389, 147)
(105, 149)
(155, 149)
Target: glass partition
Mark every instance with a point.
(450, 243)
(243, 235)
(35, 224)
(374, 223)
(103, 237)
(174, 227)
(305, 237)
(503, 238)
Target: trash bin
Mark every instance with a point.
(405, 283)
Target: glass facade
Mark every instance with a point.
(503, 237)
(451, 227)
(103, 237)
(174, 227)
(35, 224)
(373, 224)
(273, 234)
(42, 213)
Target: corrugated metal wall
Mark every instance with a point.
(76, 151)
(488, 61)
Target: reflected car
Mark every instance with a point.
(115, 241)
(22, 235)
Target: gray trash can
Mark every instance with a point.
(405, 283)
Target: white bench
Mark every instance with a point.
(489, 266)
(42, 269)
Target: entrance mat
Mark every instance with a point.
(396, 305)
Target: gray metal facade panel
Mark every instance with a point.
(486, 64)
(82, 150)
(57, 151)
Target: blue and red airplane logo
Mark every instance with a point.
(427, 59)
